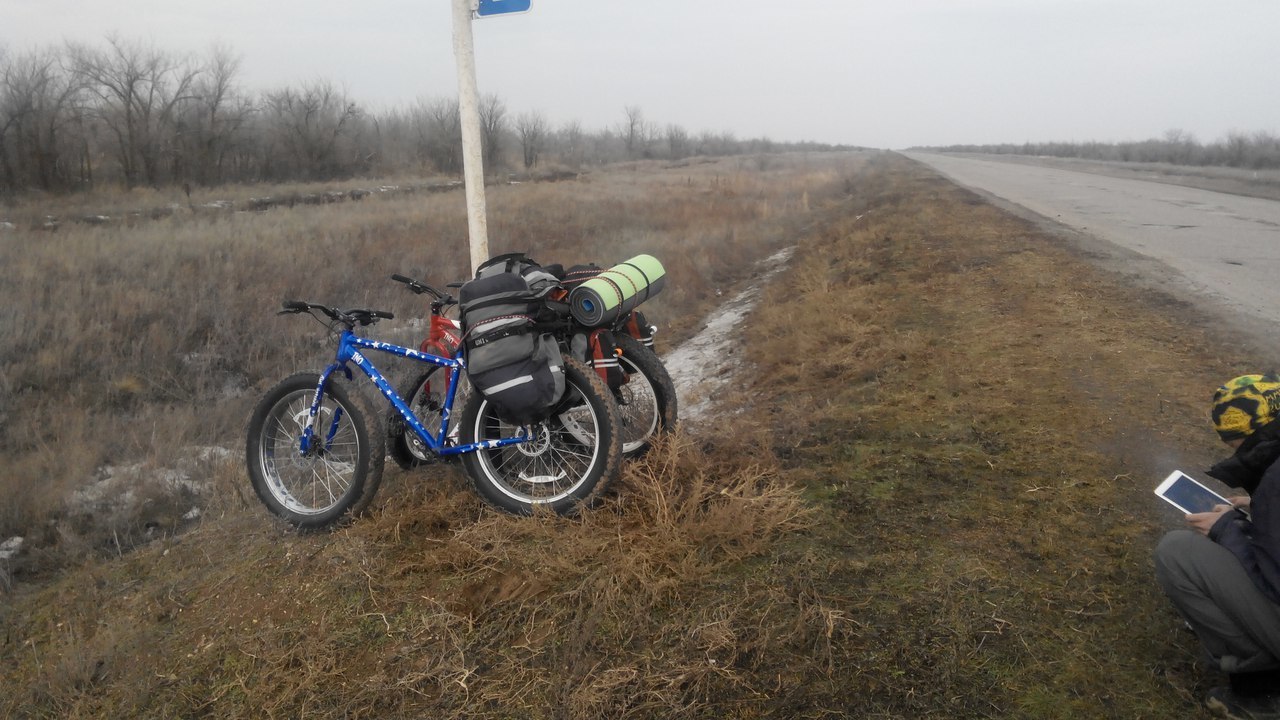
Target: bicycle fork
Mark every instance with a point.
(307, 444)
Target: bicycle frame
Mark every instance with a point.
(349, 346)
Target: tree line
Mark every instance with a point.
(1253, 151)
(130, 114)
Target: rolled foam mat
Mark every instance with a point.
(609, 296)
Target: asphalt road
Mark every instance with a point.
(1222, 248)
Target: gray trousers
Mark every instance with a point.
(1237, 625)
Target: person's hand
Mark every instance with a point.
(1240, 501)
(1203, 522)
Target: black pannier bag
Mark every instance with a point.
(518, 370)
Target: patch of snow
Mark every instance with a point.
(212, 452)
(10, 547)
(708, 361)
(116, 487)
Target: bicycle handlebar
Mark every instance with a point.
(352, 317)
(419, 288)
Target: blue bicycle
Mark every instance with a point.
(316, 446)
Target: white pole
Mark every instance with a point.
(469, 110)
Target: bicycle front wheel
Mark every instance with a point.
(571, 458)
(340, 472)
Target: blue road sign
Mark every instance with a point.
(489, 8)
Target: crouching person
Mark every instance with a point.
(1223, 572)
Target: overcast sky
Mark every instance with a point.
(878, 73)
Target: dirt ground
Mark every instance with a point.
(927, 494)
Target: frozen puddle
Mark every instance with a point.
(707, 362)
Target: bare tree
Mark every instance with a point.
(533, 129)
(128, 110)
(37, 104)
(139, 89)
(677, 141)
(1265, 151)
(572, 144)
(213, 122)
(16, 110)
(306, 126)
(722, 143)
(633, 130)
(493, 122)
(1236, 148)
(10, 111)
(440, 135)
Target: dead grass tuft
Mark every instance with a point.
(437, 605)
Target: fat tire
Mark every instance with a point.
(267, 448)
(636, 356)
(494, 473)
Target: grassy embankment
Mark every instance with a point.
(136, 349)
(932, 499)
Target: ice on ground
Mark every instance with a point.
(10, 547)
(114, 487)
(708, 361)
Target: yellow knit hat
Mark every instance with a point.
(1245, 404)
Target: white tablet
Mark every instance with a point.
(1189, 496)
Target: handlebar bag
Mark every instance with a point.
(517, 369)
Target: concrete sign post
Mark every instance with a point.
(469, 111)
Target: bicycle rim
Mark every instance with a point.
(318, 482)
(426, 402)
(637, 408)
(554, 463)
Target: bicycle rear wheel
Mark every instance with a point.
(571, 458)
(342, 470)
(425, 395)
(647, 401)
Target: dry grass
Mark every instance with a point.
(931, 498)
(435, 606)
(132, 343)
(985, 413)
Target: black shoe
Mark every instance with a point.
(1226, 703)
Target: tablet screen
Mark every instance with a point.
(1188, 495)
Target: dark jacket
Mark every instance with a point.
(1254, 537)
